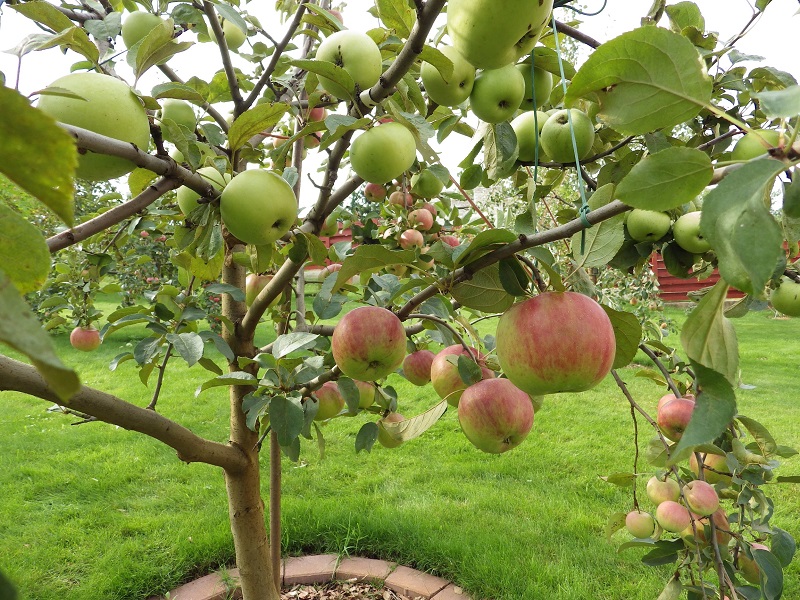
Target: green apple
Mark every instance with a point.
(648, 225)
(137, 25)
(455, 89)
(497, 94)
(490, 36)
(109, 107)
(786, 299)
(253, 286)
(382, 153)
(528, 127)
(357, 54)
(179, 111)
(234, 36)
(557, 136)
(540, 80)
(755, 144)
(258, 207)
(686, 231)
(187, 197)
(426, 185)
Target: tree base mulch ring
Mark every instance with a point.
(343, 590)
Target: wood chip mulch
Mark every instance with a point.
(342, 590)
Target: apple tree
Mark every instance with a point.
(663, 125)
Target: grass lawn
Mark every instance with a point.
(98, 512)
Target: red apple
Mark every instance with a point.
(748, 566)
(555, 342)
(417, 366)
(703, 528)
(368, 343)
(659, 490)
(318, 113)
(444, 374)
(714, 461)
(338, 15)
(674, 417)
(85, 339)
(401, 199)
(384, 438)
(331, 268)
(495, 415)
(640, 524)
(667, 397)
(430, 208)
(450, 240)
(701, 497)
(366, 393)
(411, 237)
(673, 517)
(421, 219)
(144, 234)
(331, 401)
(375, 192)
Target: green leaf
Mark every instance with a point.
(740, 228)
(628, 334)
(38, 155)
(771, 574)
(649, 78)
(468, 370)
(709, 338)
(188, 345)
(616, 521)
(783, 546)
(548, 59)
(219, 342)
(366, 437)
(500, 149)
(766, 443)
(232, 378)
(23, 252)
(513, 277)
(21, 331)
(666, 180)
(603, 241)
(484, 242)
(370, 258)
(780, 104)
(484, 291)
(253, 121)
(181, 91)
(714, 410)
(226, 288)
(286, 418)
(397, 15)
(76, 39)
(409, 429)
(620, 479)
(285, 345)
(673, 589)
(139, 179)
(685, 14)
(326, 69)
(435, 57)
(44, 13)
(156, 47)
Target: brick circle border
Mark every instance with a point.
(323, 568)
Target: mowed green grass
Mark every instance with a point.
(94, 511)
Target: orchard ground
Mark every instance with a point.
(95, 511)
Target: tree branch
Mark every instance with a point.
(577, 35)
(225, 54)
(20, 377)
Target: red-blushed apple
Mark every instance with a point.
(331, 401)
(748, 567)
(423, 262)
(673, 517)
(495, 415)
(674, 417)
(384, 439)
(318, 113)
(444, 374)
(338, 15)
(401, 199)
(85, 339)
(366, 393)
(659, 490)
(430, 208)
(703, 528)
(417, 366)
(420, 219)
(411, 237)
(720, 472)
(450, 240)
(144, 234)
(329, 269)
(701, 497)
(253, 286)
(555, 342)
(640, 524)
(375, 192)
(667, 397)
(368, 343)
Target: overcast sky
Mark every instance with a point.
(773, 36)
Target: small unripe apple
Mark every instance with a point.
(786, 298)
(673, 517)
(640, 524)
(366, 393)
(85, 339)
(661, 491)
(384, 438)
(701, 497)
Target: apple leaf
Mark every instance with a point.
(232, 378)
(44, 13)
(763, 438)
(646, 79)
(714, 410)
(656, 453)
(188, 345)
(685, 14)
(780, 104)
(616, 521)
(500, 150)
(350, 393)
(366, 437)
(38, 155)
(254, 121)
(397, 15)
(20, 329)
(436, 58)
(602, 243)
(286, 417)
(181, 91)
(409, 429)
(709, 338)
(547, 59)
(326, 69)
(674, 588)
(484, 291)
(285, 345)
(76, 39)
(628, 334)
(371, 257)
(771, 574)
(23, 252)
(481, 244)
(740, 228)
(783, 546)
(620, 479)
(666, 180)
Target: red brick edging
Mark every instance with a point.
(321, 568)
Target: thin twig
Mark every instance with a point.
(661, 367)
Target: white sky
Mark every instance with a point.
(773, 36)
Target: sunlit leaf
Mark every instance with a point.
(23, 251)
